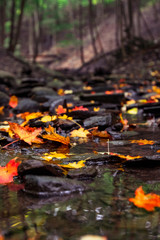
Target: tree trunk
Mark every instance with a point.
(91, 28)
(81, 32)
(11, 34)
(2, 21)
(138, 3)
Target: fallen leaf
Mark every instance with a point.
(143, 142)
(93, 237)
(48, 118)
(60, 110)
(60, 92)
(133, 111)
(27, 134)
(109, 92)
(127, 157)
(13, 102)
(79, 164)
(51, 155)
(9, 171)
(81, 132)
(80, 108)
(1, 110)
(96, 109)
(147, 201)
(65, 117)
(101, 134)
(53, 136)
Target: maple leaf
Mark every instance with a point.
(13, 102)
(53, 136)
(1, 110)
(102, 134)
(78, 164)
(80, 108)
(27, 134)
(60, 110)
(49, 156)
(143, 142)
(96, 109)
(81, 132)
(65, 117)
(147, 201)
(48, 118)
(9, 171)
(127, 157)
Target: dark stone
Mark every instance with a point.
(27, 105)
(104, 98)
(83, 173)
(81, 114)
(41, 94)
(4, 99)
(105, 121)
(144, 162)
(49, 186)
(36, 167)
(7, 79)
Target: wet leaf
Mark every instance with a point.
(65, 117)
(81, 132)
(9, 171)
(13, 102)
(49, 156)
(79, 164)
(53, 136)
(1, 110)
(101, 134)
(127, 157)
(143, 142)
(60, 110)
(80, 108)
(27, 134)
(48, 118)
(147, 201)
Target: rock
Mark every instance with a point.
(41, 94)
(102, 121)
(4, 99)
(56, 83)
(59, 100)
(27, 105)
(7, 79)
(143, 162)
(36, 167)
(83, 174)
(45, 186)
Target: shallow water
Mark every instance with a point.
(103, 210)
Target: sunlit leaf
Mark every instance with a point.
(53, 136)
(27, 134)
(79, 164)
(13, 102)
(133, 111)
(51, 155)
(9, 171)
(48, 118)
(147, 201)
(143, 142)
(80, 108)
(60, 109)
(81, 132)
(65, 117)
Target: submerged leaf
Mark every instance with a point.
(49, 156)
(101, 134)
(143, 142)
(147, 201)
(79, 164)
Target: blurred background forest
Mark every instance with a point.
(70, 33)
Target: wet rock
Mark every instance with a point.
(115, 135)
(104, 98)
(102, 121)
(81, 114)
(144, 162)
(51, 186)
(27, 105)
(41, 94)
(36, 167)
(83, 174)
(4, 99)
(7, 79)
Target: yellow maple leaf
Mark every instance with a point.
(81, 132)
(49, 156)
(96, 109)
(48, 118)
(78, 164)
(143, 142)
(53, 136)
(31, 116)
(65, 117)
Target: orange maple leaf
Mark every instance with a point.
(13, 102)
(143, 142)
(147, 201)
(9, 171)
(102, 134)
(81, 132)
(27, 134)
(127, 157)
(53, 136)
(1, 110)
(60, 109)
(80, 108)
